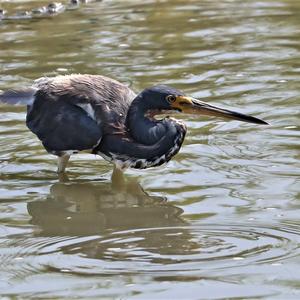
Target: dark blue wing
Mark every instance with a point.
(62, 126)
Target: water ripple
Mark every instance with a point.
(205, 248)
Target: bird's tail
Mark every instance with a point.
(23, 96)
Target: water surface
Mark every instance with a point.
(221, 220)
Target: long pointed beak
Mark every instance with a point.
(194, 106)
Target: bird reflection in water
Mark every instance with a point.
(86, 208)
(109, 210)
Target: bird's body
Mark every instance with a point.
(77, 112)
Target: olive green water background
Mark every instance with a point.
(221, 220)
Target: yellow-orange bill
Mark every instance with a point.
(194, 106)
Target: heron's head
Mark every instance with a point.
(163, 98)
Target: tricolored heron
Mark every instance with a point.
(72, 113)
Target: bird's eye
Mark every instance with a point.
(171, 98)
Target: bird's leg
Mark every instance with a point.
(119, 183)
(117, 179)
(63, 177)
(62, 163)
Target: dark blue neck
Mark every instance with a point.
(141, 128)
(149, 143)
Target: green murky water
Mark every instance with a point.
(221, 220)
